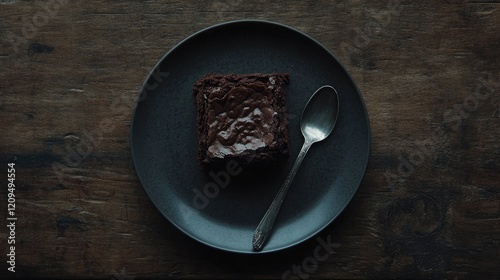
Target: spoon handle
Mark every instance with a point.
(264, 228)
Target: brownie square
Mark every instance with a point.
(242, 117)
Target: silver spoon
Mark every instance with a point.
(317, 122)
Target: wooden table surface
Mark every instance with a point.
(428, 207)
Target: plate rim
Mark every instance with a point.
(143, 89)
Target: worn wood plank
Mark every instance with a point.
(429, 204)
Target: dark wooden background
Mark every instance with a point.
(429, 71)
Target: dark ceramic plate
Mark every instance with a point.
(222, 211)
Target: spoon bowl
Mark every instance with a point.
(320, 114)
(316, 123)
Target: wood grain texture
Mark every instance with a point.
(429, 206)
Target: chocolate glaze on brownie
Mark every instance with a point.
(242, 117)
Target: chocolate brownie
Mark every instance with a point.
(242, 117)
